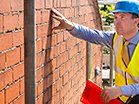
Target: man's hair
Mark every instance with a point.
(134, 15)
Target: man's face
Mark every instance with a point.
(124, 23)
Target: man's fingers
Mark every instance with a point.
(105, 97)
(57, 18)
(57, 13)
(56, 28)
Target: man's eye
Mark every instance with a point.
(115, 17)
(122, 17)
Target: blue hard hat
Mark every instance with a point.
(129, 6)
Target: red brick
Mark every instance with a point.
(64, 90)
(8, 78)
(18, 71)
(63, 3)
(39, 74)
(47, 69)
(70, 43)
(46, 16)
(5, 6)
(47, 57)
(13, 53)
(82, 46)
(39, 4)
(56, 98)
(5, 41)
(83, 2)
(21, 86)
(12, 92)
(17, 5)
(68, 3)
(40, 88)
(65, 78)
(40, 100)
(55, 51)
(22, 53)
(65, 56)
(65, 99)
(47, 96)
(53, 63)
(71, 72)
(58, 85)
(69, 12)
(38, 45)
(48, 42)
(38, 31)
(54, 40)
(63, 47)
(38, 17)
(60, 37)
(62, 70)
(21, 19)
(82, 9)
(73, 3)
(42, 31)
(67, 36)
(8, 22)
(1, 23)
(51, 54)
(2, 61)
(55, 75)
(60, 58)
(48, 81)
(2, 85)
(18, 38)
(48, 3)
(73, 51)
(2, 98)
(56, 3)
(40, 59)
(20, 100)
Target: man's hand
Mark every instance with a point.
(64, 23)
(110, 93)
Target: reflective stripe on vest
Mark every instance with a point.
(125, 75)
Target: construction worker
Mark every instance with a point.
(124, 42)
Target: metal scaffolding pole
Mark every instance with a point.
(89, 70)
(112, 66)
(29, 50)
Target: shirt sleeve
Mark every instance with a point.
(130, 90)
(93, 35)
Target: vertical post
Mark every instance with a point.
(29, 50)
(89, 61)
(112, 66)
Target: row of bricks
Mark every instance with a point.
(13, 93)
(70, 87)
(7, 24)
(68, 78)
(18, 5)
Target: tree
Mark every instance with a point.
(106, 13)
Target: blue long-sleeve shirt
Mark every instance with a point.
(106, 38)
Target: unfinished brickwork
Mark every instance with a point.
(60, 57)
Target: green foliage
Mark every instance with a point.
(106, 50)
(107, 16)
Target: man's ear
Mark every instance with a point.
(137, 21)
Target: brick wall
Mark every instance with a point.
(11, 52)
(60, 58)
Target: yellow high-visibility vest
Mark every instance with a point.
(125, 75)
